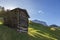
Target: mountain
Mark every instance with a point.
(54, 25)
(40, 22)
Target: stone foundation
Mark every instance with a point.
(22, 29)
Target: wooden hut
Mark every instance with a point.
(17, 18)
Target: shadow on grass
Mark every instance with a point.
(7, 33)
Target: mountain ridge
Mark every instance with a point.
(40, 22)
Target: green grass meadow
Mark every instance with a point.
(35, 32)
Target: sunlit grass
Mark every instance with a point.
(1, 22)
(33, 32)
(53, 29)
(29, 21)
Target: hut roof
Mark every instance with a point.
(24, 10)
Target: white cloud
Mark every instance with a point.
(40, 11)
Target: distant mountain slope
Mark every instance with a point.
(40, 22)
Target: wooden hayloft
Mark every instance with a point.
(17, 18)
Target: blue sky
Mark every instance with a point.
(44, 10)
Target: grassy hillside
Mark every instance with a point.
(40, 32)
(36, 32)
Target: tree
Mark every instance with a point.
(2, 11)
